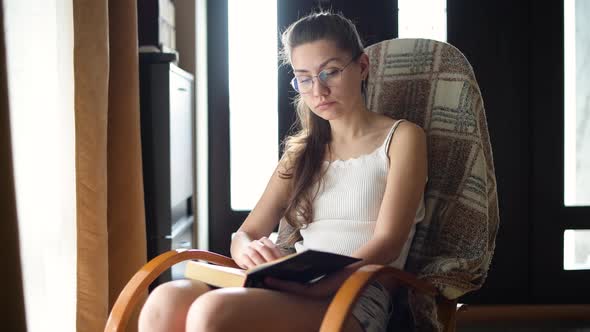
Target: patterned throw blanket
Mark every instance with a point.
(432, 84)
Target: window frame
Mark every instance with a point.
(549, 215)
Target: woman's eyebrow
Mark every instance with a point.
(321, 65)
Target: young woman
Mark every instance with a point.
(345, 184)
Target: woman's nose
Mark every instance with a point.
(319, 89)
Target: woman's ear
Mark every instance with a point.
(364, 63)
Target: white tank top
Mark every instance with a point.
(347, 205)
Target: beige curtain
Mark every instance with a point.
(13, 308)
(110, 212)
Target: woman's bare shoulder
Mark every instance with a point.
(385, 123)
(414, 126)
(408, 134)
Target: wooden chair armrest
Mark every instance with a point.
(342, 303)
(137, 286)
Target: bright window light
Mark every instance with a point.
(254, 147)
(202, 159)
(576, 103)
(422, 19)
(576, 249)
(41, 99)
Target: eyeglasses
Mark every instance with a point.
(328, 77)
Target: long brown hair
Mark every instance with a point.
(305, 150)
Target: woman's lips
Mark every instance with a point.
(325, 105)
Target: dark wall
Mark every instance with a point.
(147, 20)
(222, 219)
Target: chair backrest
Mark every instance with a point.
(432, 84)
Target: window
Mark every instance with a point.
(254, 148)
(41, 98)
(422, 19)
(576, 103)
(576, 249)
(576, 243)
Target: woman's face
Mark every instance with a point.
(344, 91)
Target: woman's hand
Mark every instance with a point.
(323, 288)
(258, 252)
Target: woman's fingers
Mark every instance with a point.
(245, 262)
(259, 252)
(263, 250)
(273, 247)
(267, 249)
(255, 255)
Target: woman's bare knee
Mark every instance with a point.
(168, 304)
(208, 313)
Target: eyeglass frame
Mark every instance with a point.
(340, 70)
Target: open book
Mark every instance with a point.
(302, 267)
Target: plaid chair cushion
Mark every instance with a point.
(432, 84)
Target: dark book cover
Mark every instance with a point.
(300, 267)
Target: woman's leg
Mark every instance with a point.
(253, 309)
(168, 304)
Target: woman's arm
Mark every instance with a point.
(406, 181)
(250, 245)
